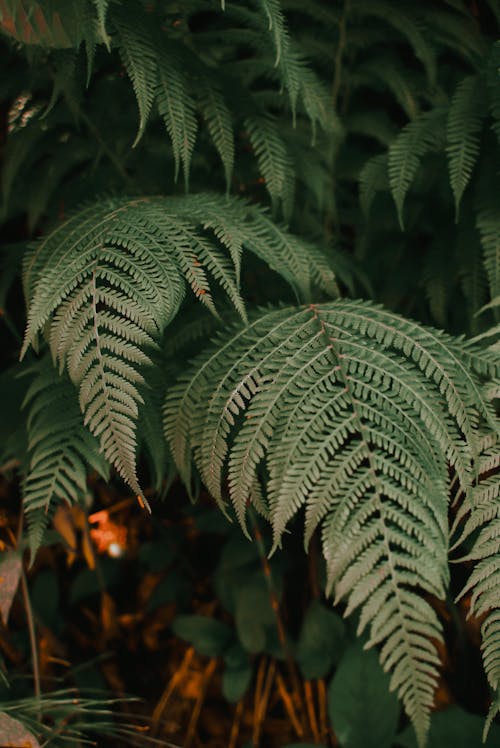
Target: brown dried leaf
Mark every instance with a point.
(10, 574)
(14, 734)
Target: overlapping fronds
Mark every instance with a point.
(60, 450)
(105, 284)
(484, 584)
(355, 414)
(182, 75)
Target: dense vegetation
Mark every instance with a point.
(251, 254)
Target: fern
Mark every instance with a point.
(60, 451)
(355, 414)
(406, 24)
(488, 225)
(139, 57)
(488, 222)
(102, 10)
(372, 179)
(177, 110)
(297, 78)
(413, 142)
(109, 280)
(365, 421)
(483, 582)
(219, 122)
(493, 83)
(465, 117)
(273, 159)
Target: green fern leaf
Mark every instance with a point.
(484, 514)
(493, 84)
(274, 161)
(102, 10)
(406, 24)
(354, 413)
(488, 223)
(414, 141)
(297, 77)
(373, 178)
(61, 451)
(219, 121)
(176, 107)
(135, 44)
(465, 118)
(389, 75)
(284, 59)
(107, 282)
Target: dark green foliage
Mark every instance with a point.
(373, 130)
(360, 685)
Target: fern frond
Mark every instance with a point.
(483, 583)
(273, 159)
(102, 11)
(135, 44)
(373, 178)
(488, 224)
(61, 450)
(238, 226)
(287, 60)
(176, 107)
(414, 141)
(437, 282)
(465, 118)
(493, 84)
(218, 117)
(377, 125)
(354, 413)
(471, 272)
(456, 32)
(107, 282)
(406, 24)
(389, 75)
